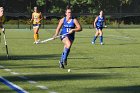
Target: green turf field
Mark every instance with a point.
(110, 68)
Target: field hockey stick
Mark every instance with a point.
(46, 40)
(4, 36)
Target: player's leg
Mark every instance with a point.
(67, 45)
(95, 36)
(101, 36)
(36, 35)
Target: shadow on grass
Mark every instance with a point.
(117, 67)
(31, 57)
(39, 57)
(118, 89)
(76, 76)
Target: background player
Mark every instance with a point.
(1, 21)
(98, 24)
(36, 19)
(69, 25)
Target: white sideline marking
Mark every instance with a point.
(42, 87)
(14, 73)
(17, 88)
(12, 86)
(32, 82)
(7, 70)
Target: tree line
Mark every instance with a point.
(122, 11)
(78, 6)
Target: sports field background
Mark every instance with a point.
(110, 68)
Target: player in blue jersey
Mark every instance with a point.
(1, 21)
(69, 26)
(99, 24)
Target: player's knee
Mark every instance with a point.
(68, 45)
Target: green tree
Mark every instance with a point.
(40, 2)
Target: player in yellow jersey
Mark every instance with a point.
(1, 21)
(36, 19)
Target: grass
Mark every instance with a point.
(110, 68)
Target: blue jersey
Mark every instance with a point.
(100, 21)
(67, 26)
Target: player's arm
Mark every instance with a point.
(2, 19)
(1, 11)
(58, 27)
(77, 28)
(2, 22)
(95, 21)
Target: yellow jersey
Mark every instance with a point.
(36, 18)
(1, 20)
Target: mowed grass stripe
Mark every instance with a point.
(111, 68)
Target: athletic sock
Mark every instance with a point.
(61, 60)
(95, 37)
(36, 37)
(66, 53)
(101, 39)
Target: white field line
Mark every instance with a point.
(7, 70)
(25, 78)
(42, 87)
(32, 82)
(14, 73)
(12, 86)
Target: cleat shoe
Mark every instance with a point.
(37, 42)
(65, 63)
(61, 65)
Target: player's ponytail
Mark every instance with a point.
(68, 7)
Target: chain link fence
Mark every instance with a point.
(118, 15)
